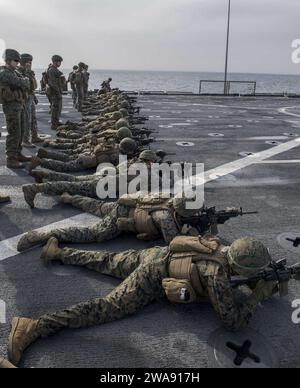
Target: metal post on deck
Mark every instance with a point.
(226, 89)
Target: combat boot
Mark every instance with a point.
(27, 144)
(51, 251)
(23, 333)
(14, 164)
(42, 154)
(47, 143)
(38, 175)
(4, 198)
(36, 139)
(32, 239)
(24, 159)
(66, 198)
(30, 192)
(5, 364)
(35, 162)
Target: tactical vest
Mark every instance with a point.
(184, 284)
(8, 96)
(140, 219)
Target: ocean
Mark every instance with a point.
(189, 81)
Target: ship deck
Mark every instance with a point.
(250, 148)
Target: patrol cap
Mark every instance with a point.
(11, 55)
(248, 256)
(26, 58)
(57, 58)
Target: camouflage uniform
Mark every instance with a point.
(86, 78)
(30, 123)
(79, 81)
(52, 176)
(108, 228)
(55, 92)
(143, 273)
(13, 108)
(80, 164)
(71, 79)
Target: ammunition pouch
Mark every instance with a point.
(144, 225)
(184, 284)
(126, 225)
(179, 291)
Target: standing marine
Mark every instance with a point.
(86, 81)
(189, 270)
(30, 129)
(56, 82)
(72, 81)
(13, 94)
(79, 83)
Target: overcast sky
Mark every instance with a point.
(184, 35)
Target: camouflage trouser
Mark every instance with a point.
(74, 95)
(94, 206)
(29, 118)
(34, 125)
(60, 156)
(84, 188)
(80, 98)
(71, 166)
(60, 146)
(56, 108)
(104, 230)
(142, 272)
(52, 176)
(15, 123)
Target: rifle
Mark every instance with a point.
(278, 271)
(162, 154)
(210, 218)
(145, 132)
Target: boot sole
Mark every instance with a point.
(14, 327)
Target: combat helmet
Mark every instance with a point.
(179, 204)
(124, 133)
(117, 116)
(124, 112)
(122, 123)
(128, 146)
(57, 58)
(125, 105)
(11, 55)
(148, 156)
(248, 256)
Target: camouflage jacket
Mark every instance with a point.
(14, 87)
(30, 74)
(55, 81)
(12, 79)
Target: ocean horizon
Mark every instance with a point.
(189, 81)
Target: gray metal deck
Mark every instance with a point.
(161, 335)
